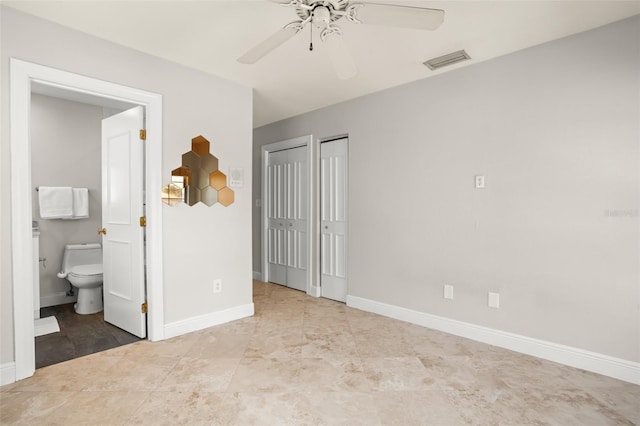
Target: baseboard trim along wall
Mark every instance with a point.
(617, 368)
(257, 276)
(7, 373)
(56, 299)
(189, 325)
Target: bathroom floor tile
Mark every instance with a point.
(79, 335)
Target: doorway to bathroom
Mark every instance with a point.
(24, 77)
(67, 150)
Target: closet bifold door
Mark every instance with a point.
(287, 215)
(334, 218)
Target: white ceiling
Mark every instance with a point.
(211, 35)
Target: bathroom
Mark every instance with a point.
(66, 152)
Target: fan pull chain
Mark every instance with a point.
(310, 38)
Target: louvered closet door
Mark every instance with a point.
(333, 219)
(276, 215)
(287, 217)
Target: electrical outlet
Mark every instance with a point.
(217, 286)
(479, 181)
(448, 291)
(494, 300)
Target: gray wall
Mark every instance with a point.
(554, 129)
(200, 243)
(65, 151)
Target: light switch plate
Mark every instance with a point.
(448, 291)
(494, 300)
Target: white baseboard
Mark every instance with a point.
(7, 373)
(606, 365)
(56, 299)
(188, 325)
(257, 275)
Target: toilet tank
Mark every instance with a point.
(81, 254)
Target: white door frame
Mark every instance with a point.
(313, 147)
(22, 75)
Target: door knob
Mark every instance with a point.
(102, 231)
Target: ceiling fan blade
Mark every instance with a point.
(339, 54)
(262, 49)
(395, 16)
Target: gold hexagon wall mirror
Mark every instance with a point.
(198, 179)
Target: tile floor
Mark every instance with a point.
(307, 361)
(79, 335)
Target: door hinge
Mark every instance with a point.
(143, 134)
(143, 308)
(143, 221)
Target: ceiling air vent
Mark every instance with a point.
(449, 59)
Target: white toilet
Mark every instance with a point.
(82, 267)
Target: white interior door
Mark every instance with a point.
(122, 207)
(287, 213)
(333, 219)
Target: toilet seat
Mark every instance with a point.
(86, 270)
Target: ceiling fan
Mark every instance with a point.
(322, 14)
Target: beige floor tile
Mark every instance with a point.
(397, 374)
(220, 345)
(382, 343)
(31, 408)
(317, 408)
(242, 326)
(276, 343)
(264, 375)
(625, 403)
(566, 406)
(134, 373)
(275, 325)
(178, 408)
(331, 375)
(461, 372)
(338, 408)
(327, 323)
(200, 375)
(97, 408)
(328, 344)
(75, 375)
(308, 361)
(416, 408)
(252, 408)
(174, 347)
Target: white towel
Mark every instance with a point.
(56, 202)
(80, 203)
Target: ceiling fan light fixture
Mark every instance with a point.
(446, 60)
(321, 17)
